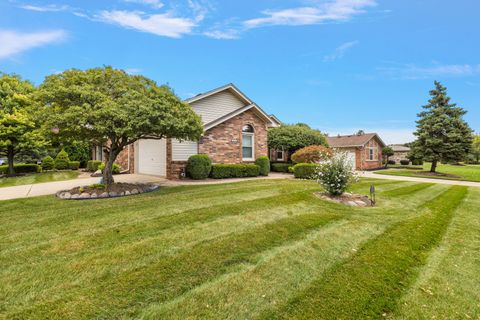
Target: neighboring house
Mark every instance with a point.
(235, 131)
(400, 152)
(365, 150)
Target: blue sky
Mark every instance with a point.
(338, 65)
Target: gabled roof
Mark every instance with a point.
(272, 122)
(353, 140)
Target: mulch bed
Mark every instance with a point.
(349, 199)
(97, 191)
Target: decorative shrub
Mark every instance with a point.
(48, 163)
(115, 168)
(280, 166)
(264, 164)
(223, 171)
(199, 166)
(22, 168)
(62, 161)
(404, 162)
(336, 174)
(391, 162)
(92, 165)
(74, 165)
(305, 170)
(417, 162)
(312, 154)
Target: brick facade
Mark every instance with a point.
(223, 143)
(123, 159)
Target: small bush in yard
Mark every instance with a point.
(280, 166)
(22, 168)
(115, 168)
(74, 165)
(391, 162)
(336, 174)
(199, 166)
(305, 170)
(264, 164)
(92, 165)
(223, 171)
(62, 161)
(312, 154)
(48, 163)
(404, 162)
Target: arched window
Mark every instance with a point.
(248, 140)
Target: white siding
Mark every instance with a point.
(217, 105)
(181, 151)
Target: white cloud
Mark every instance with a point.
(45, 8)
(13, 42)
(133, 70)
(164, 24)
(332, 11)
(411, 71)
(156, 4)
(340, 51)
(228, 34)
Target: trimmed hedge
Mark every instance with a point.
(304, 170)
(391, 162)
(74, 165)
(92, 165)
(280, 166)
(22, 168)
(264, 164)
(223, 171)
(48, 163)
(62, 161)
(199, 166)
(404, 162)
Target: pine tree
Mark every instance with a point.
(442, 134)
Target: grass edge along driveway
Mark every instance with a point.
(41, 177)
(453, 172)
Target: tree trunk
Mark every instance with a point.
(10, 155)
(107, 172)
(434, 166)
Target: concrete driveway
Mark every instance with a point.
(369, 174)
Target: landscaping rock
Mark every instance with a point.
(65, 195)
(134, 191)
(75, 196)
(84, 195)
(113, 194)
(127, 193)
(103, 195)
(93, 196)
(97, 173)
(352, 203)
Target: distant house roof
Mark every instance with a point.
(399, 148)
(353, 140)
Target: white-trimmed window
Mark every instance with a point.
(372, 150)
(248, 142)
(98, 153)
(280, 154)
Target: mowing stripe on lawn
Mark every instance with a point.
(448, 284)
(404, 191)
(370, 284)
(123, 294)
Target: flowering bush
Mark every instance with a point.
(336, 173)
(312, 154)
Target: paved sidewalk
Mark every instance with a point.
(369, 174)
(41, 189)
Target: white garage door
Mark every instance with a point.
(352, 157)
(152, 157)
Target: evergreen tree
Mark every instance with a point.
(442, 134)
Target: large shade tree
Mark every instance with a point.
(442, 134)
(18, 131)
(294, 137)
(109, 107)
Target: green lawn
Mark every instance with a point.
(38, 178)
(262, 249)
(463, 172)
